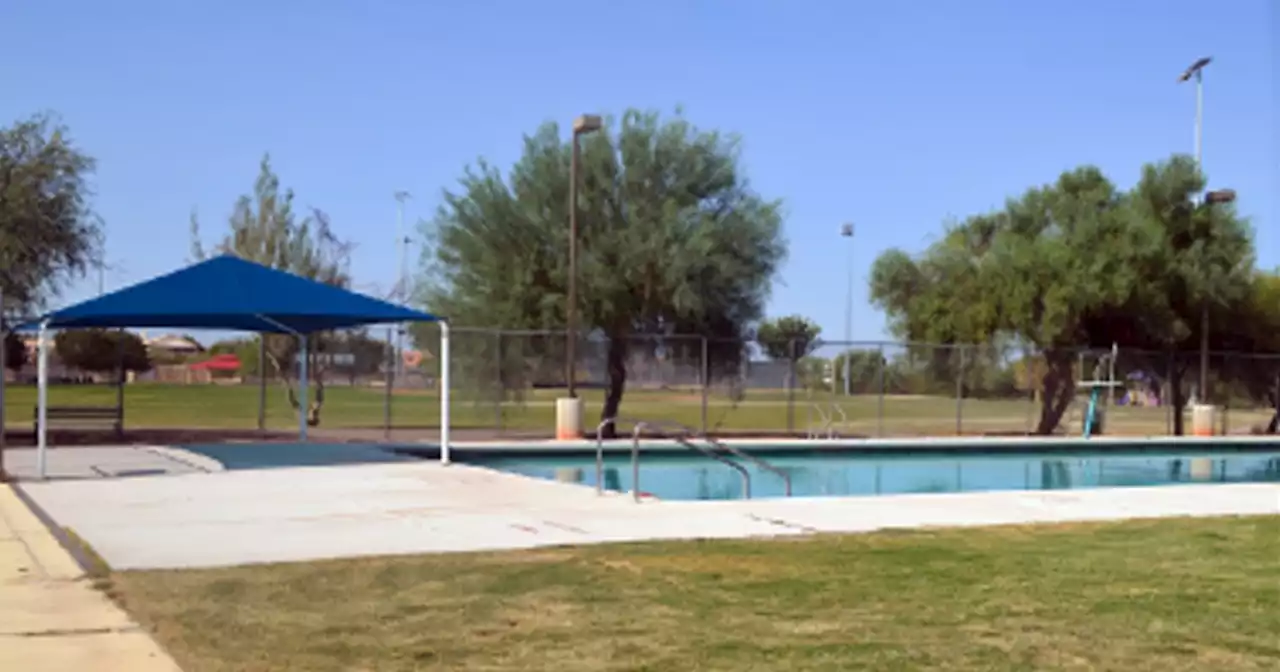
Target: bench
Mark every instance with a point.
(82, 416)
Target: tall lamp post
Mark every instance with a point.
(1196, 71)
(587, 123)
(846, 231)
(402, 291)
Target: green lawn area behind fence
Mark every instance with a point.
(236, 407)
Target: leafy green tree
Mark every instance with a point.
(264, 228)
(49, 233)
(788, 339)
(1073, 264)
(672, 240)
(1205, 268)
(102, 350)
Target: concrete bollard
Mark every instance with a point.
(1202, 419)
(569, 419)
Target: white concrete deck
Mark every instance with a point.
(93, 462)
(290, 514)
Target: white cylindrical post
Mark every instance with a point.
(42, 399)
(302, 388)
(569, 419)
(444, 392)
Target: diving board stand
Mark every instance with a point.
(1095, 388)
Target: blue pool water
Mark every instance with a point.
(842, 473)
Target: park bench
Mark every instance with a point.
(82, 417)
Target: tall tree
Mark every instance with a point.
(49, 233)
(264, 228)
(1073, 264)
(672, 240)
(1205, 265)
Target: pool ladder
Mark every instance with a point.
(687, 437)
(825, 428)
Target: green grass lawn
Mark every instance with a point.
(235, 407)
(1169, 595)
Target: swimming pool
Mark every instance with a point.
(839, 473)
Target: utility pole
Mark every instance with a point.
(846, 231)
(1197, 71)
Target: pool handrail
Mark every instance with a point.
(683, 437)
(822, 415)
(736, 452)
(844, 420)
(600, 442)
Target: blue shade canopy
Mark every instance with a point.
(229, 293)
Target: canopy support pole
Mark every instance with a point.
(444, 392)
(42, 400)
(303, 403)
(302, 373)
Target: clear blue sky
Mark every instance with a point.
(895, 116)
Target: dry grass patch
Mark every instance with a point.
(1168, 595)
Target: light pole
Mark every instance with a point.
(587, 123)
(1196, 70)
(846, 231)
(402, 245)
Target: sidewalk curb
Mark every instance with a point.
(76, 551)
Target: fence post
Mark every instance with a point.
(880, 394)
(791, 387)
(262, 382)
(706, 383)
(119, 385)
(1225, 374)
(390, 381)
(1169, 408)
(960, 393)
(1031, 377)
(499, 390)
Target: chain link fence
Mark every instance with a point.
(505, 383)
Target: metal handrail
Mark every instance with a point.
(844, 420)
(822, 415)
(786, 478)
(685, 433)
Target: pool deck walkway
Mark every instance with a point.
(200, 519)
(51, 618)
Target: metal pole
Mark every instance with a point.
(880, 395)
(500, 392)
(571, 310)
(444, 392)
(960, 393)
(302, 389)
(1203, 395)
(120, 374)
(389, 383)
(1199, 115)
(402, 289)
(706, 383)
(1111, 375)
(42, 399)
(791, 386)
(262, 382)
(847, 232)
